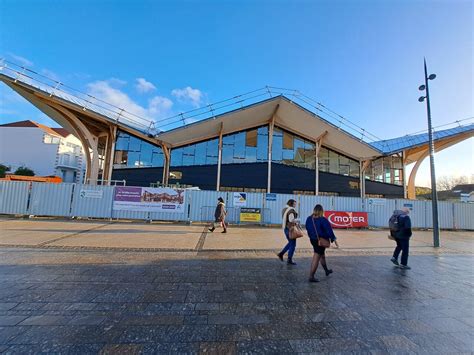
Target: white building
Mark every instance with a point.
(47, 151)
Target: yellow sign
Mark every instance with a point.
(250, 215)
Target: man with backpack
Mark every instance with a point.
(400, 230)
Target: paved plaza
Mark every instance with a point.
(131, 288)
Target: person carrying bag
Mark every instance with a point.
(321, 235)
(291, 230)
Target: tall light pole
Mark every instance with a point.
(434, 195)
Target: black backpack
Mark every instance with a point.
(394, 224)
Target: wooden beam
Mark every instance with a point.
(166, 164)
(271, 126)
(364, 164)
(318, 145)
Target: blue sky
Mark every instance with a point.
(364, 59)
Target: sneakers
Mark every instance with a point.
(280, 256)
(211, 229)
(394, 261)
(313, 279)
(405, 267)
(328, 272)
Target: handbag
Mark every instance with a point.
(322, 242)
(295, 232)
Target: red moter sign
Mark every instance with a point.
(339, 219)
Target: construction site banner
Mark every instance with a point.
(342, 219)
(149, 199)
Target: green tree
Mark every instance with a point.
(23, 170)
(3, 170)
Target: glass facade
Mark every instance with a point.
(386, 169)
(243, 147)
(204, 153)
(293, 150)
(132, 152)
(251, 146)
(246, 147)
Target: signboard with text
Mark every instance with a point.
(251, 215)
(341, 219)
(240, 199)
(149, 199)
(91, 193)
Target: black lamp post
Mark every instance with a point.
(434, 195)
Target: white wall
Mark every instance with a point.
(23, 146)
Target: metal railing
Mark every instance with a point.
(149, 126)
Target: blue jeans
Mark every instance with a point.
(403, 245)
(290, 246)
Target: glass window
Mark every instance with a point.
(333, 162)
(133, 159)
(277, 146)
(287, 140)
(212, 152)
(157, 158)
(200, 153)
(134, 144)
(228, 150)
(239, 147)
(354, 168)
(251, 138)
(133, 152)
(176, 157)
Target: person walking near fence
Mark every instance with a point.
(219, 216)
(400, 230)
(289, 219)
(321, 235)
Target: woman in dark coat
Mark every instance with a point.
(317, 227)
(219, 216)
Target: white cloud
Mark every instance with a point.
(144, 86)
(21, 60)
(103, 90)
(188, 94)
(157, 108)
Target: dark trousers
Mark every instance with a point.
(403, 245)
(290, 246)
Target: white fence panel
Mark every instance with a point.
(14, 197)
(464, 216)
(51, 199)
(306, 205)
(418, 212)
(379, 211)
(93, 201)
(119, 214)
(203, 201)
(96, 201)
(445, 215)
(348, 204)
(277, 205)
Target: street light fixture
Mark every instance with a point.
(434, 195)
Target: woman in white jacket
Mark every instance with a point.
(289, 218)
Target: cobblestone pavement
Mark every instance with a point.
(72, 301)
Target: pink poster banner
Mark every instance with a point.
(149, 199)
